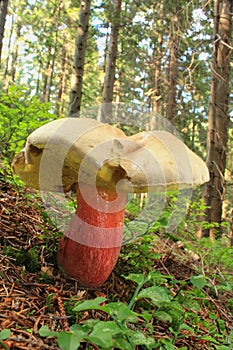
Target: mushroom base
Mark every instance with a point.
(90, 266)
(90, 248)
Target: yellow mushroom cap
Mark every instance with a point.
(66, 151)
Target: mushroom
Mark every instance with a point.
(102, 164)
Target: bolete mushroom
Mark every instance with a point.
(102, 164)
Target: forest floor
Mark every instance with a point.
(33, 290)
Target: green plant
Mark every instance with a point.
(116, 332)
(4, 334)
(20, 114)
(140, 259)
(128, 326)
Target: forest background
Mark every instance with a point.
(60, 57)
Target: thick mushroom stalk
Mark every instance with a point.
(90, 248)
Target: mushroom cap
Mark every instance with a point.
(165, 160)
(69, 150)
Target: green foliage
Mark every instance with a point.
(217, 256)
(129, 325)
(4, 334)
(116, 333)
(20, 114)
(140, 259)
(126, 328)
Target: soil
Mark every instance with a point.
(35, 292)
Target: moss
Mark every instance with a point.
(28, 258)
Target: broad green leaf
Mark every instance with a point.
(85, 327)
(93, 304)
(121, 343)
(70, 341)
(163, 316)
(103, 332)
(138, 278)
(167, 345)
(120, 311)
(198, 281)
(192, 304)
(147, 317)
(44, 331)
(4, 334)
(157, 277)
(156, 294)
(138, 338)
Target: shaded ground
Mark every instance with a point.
(33, 290)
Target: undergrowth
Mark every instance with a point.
(185, 308)
(154, 300)
(161, 311)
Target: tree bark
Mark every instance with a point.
(51, 68)
(173, 70)
(15, 53)
(46, 76)
(110, 68)
(217, 136)
(79, 59)
(3, 14)
(158, 55)
(62, 79)
(6, 69)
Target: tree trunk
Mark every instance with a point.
(15, 53)
(3, 14)
(6, 69)
(158, 55)
(51, 68)
(173, 70)
(218, 115)
(79, 59)
(110, 68)
(231, 229)
(38, 79)
(62, 79)
(46, 76)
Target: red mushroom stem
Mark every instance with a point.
(90, 248)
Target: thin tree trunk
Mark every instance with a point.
(15, 53)
(3, 14)
(156, 96)
(68, 73)
(105, 56)
(231, 229)
(62, 79)
(6, 70)
(173, 71)
(218, 114)
(46, 77)
(79, 59)
(118, 88)
(51, 68)
(110, 68)
(38, 79)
